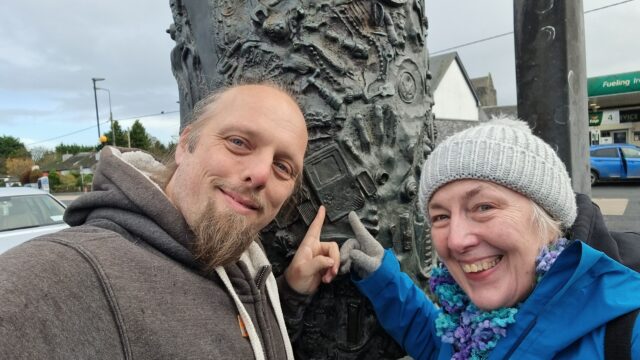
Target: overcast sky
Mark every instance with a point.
(50, 50)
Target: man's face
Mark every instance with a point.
(247, 158)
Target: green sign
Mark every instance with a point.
(595, 118)
(613, 84)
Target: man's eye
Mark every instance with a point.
(283, 168)
(484, 207)
(437, 218)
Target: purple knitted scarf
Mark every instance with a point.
(472, 331)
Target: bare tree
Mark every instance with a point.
(37, 152)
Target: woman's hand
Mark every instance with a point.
(363, 254)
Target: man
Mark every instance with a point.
(172, 267)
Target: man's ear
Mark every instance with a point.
(183, 146)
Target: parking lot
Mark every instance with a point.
(620, 204)
(67, 198)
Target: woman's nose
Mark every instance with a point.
(461, 235)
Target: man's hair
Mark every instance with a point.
(196, 122)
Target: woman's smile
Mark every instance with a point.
(482, 265)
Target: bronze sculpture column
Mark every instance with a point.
(359, 69)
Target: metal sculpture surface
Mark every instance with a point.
(360, 72)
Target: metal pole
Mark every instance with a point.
(95, 98)
(551, 80)
(81, 178)
(113, 130)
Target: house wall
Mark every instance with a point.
(448, 127)
(454, 98)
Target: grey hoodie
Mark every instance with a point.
(122, 283)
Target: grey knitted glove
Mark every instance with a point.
(362, 254)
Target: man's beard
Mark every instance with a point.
(221, 237)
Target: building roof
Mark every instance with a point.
(438, 66)
(83, 159)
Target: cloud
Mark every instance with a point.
(610, 38)
(50, 50)
(611, 44)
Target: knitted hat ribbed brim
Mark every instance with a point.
(503, 151)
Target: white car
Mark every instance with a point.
(26, 213)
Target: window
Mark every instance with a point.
(631, 153)
(619, 137)
(636, 136)
(629, 115)
(608, 152)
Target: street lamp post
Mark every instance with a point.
(95, 98)
(81, 178)
(113, 130)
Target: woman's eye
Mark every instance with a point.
(237, 141)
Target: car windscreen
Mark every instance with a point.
(606, 153)
(25, 211)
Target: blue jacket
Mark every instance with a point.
(563, 318)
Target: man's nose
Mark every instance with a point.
(461, 235)
(257, 172)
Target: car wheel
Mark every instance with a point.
(594, 177)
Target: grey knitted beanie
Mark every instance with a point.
(503, 151)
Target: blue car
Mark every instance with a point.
(615, 162)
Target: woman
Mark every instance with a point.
(510, 286)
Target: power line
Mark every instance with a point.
(471, 43)
(148, 115)
(511, 32)
(432, 53)
(61, 136)
(102, 123)
(608, 6)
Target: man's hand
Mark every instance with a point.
(314, 261)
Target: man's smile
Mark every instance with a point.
(242, 204)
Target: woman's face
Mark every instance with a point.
(484, 234)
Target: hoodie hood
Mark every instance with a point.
(125, 200)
